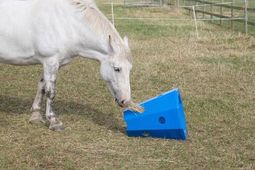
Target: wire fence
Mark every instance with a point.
(234, 14)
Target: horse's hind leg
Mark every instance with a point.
(36, 116)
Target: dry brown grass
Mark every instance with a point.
(215, 74)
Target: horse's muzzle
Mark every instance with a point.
(121, 103)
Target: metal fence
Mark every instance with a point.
(235, 14)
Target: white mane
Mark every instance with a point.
(100, 25)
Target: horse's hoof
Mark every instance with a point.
(36, 118)
(56, 126)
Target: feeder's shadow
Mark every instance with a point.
(16, 105)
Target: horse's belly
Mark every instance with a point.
(16, 46)
(20, 60)
(14, 50)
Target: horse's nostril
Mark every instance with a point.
(120, 102)
(123, 101)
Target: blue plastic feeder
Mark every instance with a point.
(163, 117)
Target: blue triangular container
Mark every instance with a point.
(163, 117)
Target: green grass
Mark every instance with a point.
(215, 74)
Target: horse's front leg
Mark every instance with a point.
(50, 74)
(36, 107)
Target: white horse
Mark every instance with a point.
(52, 33)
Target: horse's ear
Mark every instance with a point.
(126, 40)
(110, 48)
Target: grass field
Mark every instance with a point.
(215, 74)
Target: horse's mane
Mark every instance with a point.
(99, 23)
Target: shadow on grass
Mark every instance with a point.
(16, 105)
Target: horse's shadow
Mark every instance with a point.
(16, 105)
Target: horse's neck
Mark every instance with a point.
(102, 27)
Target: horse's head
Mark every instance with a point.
(115, 70)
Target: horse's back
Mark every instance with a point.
(32, 30)
(15, 34)
(28, 26)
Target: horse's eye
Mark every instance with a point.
(117, 69)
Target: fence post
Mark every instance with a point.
(221, 12)
(245, 16)
(112, 14)
(195, 19)
(211, 11)
(203, 11)
(232, 14)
